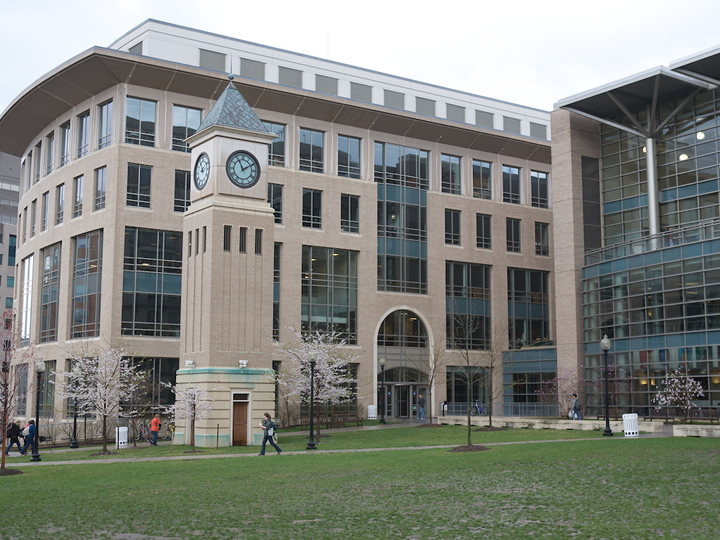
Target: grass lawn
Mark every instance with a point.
(641, 488)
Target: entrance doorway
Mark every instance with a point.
(240, 419)
(404, 398)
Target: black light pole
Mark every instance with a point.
(312, 355)
(384, 397)
(605, 346)
(74, 443)
(39, 369)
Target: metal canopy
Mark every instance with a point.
(705, 64)
(634, 93)
(98, 69)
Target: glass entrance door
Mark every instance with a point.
(402, 401)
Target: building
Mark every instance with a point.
(636, 163)
(9, 191)
(390, 210)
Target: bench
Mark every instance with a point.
(348, 418)
(711, 415)
(613, 412)
(659, 414)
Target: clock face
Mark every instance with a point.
(243, 169)
(202, 171)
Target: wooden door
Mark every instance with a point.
(239, 437)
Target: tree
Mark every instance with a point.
(492, 360)
(17, 363)
(560, 389)
(679, 390)
(99, 381)
(618, 385)
(192, 403)
(334, 382)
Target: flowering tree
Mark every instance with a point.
(334, 383)
(679, 390)
(618, 385)
(567, 381)
(192, 403)
(100, 381)
(17, 362)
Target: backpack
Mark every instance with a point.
(577, 406)
(26, 431)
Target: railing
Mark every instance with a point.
(703, 230)
(504, 409)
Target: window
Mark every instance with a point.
(348, 157)
(138, 185)
(450, 174)
(511, 184)
(78, 191)
(59, 204)
(276, 290)
(152, 279)
(275, 192)
(484, 232)
(425, 106)
(105, 125)
(513, 235)
(186, 122)
(10, 281)
(349, 213)
(361, 92)
(189, 237)
(27, 300)
(227, 230)
(528, 309)
(538, 131)
(87, 285)
(452, 227)
(140, 121)
(100, 188)
(212, 60)
(252, 69)
(455, 113)
(12, 246)
(197, 241)
(204, 238)
(49, 298)
(511, 125)
(136, 49)
(467, 293)
(182, 191)
(484, 119)
(401, 165)
(539, 185)
(276, 155)
(326, 85)
(24, 225)
(8, 303)
(396, 100)
(258, 241)
(482, 180)
(312, 208)
(542, 242)
(311, 150)
(38, 162)
(49, 152)
(83, 123)
(329, 291)
(64, 143)
(290, 77)
(45, 211)
(242, 246)
(33, 217)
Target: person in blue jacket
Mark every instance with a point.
(30, 438)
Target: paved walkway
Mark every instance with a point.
(302, 452)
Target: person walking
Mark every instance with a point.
(421, 408)
(269, 431)
(29, 438)
(154, 429)
(576, 408)
(13, 436)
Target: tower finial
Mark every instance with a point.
(231, 76)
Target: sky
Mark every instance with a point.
(527, 52)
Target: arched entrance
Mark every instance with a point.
(403, 342)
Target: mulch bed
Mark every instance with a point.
(430, 425)
(104, 454)
(469, 448)
(10, 472)
(490, 429)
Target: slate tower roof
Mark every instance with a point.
(231, 110)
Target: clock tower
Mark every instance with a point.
(228, 262)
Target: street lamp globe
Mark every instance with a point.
(605, 343)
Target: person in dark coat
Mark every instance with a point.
(30, 438)
(13, 436)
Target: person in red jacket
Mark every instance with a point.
(154, 428)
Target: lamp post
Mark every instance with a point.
(312, 355)
(74, 443)
(605, 346)
(382, 369)
(39, 369)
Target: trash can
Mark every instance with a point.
(121, 436)
(630, 425)
(372, 412)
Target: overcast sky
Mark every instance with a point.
(528, 52)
